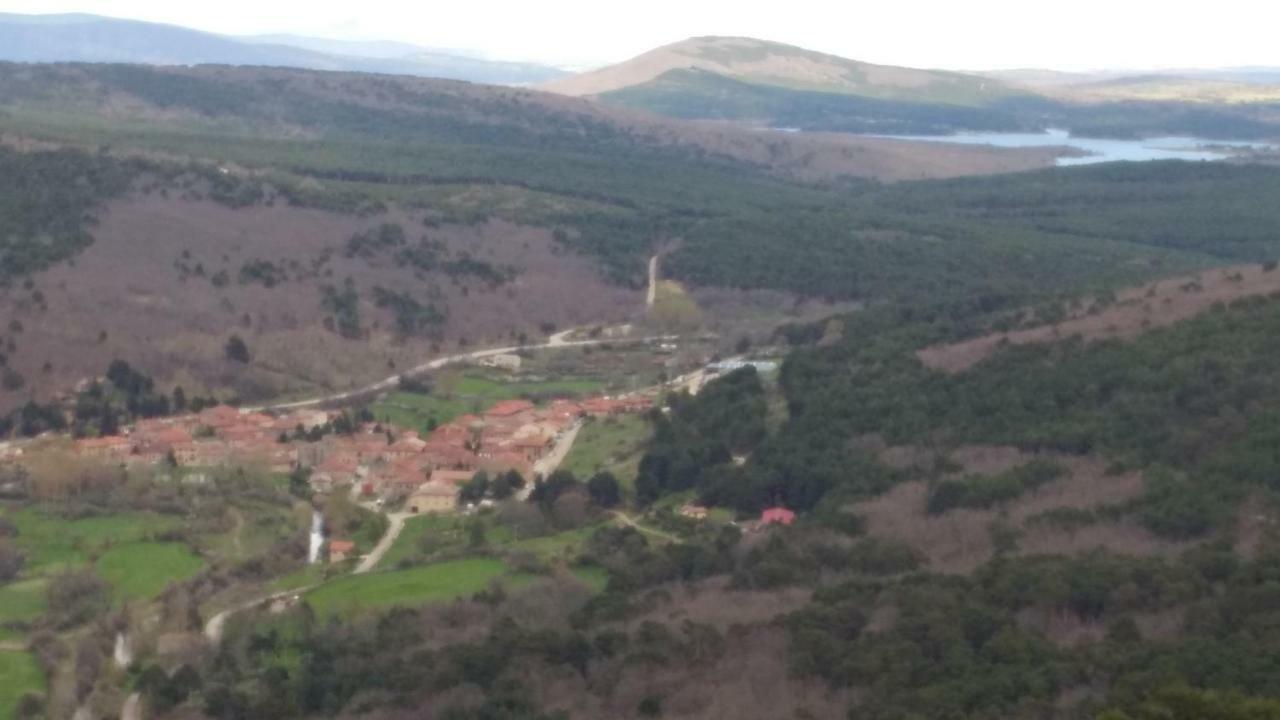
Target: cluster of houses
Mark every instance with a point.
(378, 460)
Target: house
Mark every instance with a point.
(451, 478)
(502, 361)
(509, 408)
(777, 516)
(340, 550)
(432, 497)
(219, 416)
(112, 446)
(693, 512)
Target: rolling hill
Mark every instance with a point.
(767, 63)
(92, 38)
(767, 84)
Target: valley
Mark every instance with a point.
(365, 380)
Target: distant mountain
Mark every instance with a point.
(771, 84)
(91, 38)
(384, 49)
(773, 64)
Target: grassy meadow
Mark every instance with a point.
(613, 444)
(19, 675)
(414, 586)
(456, 396)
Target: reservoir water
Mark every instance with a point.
(1101, 149)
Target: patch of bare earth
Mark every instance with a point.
(959, 541)
(1135, 311)
(1255, 527)
(126, 297)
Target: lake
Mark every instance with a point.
(1100, 149)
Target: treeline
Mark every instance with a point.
(694, 445)
(122, 396)
(46, 201)
(941, 110)
(1191, 404)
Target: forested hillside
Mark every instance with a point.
(261, 149)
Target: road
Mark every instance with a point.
(630, 522)
(559, 340)
(370, 561)
(215, 625)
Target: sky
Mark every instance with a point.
(953, 34)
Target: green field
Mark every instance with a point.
(470, 394)
(19, 675)
(408, 544)
(614, 444)
(415, 586)
(142, 570)
(20, 601)
(53, 543)
(565, 545)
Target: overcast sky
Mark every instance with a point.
(958, 34)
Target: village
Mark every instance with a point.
(377, 461)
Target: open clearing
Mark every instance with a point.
(53, 543)
(415, 586)
(19, 675)
(143, 570)
(1134, 311)
(960, 540)
(20, 601)
(469, 394)
(613, 444)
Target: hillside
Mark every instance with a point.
(986, 444)
(92, 38)
(413, 215)
(763, 84)
(498, 181)
(767, 63)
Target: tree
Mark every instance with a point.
(76, 597)
(11, 561)
(179, 399)
(500, 487)
(546, 492)
(300, 483)
(236, 350)
(475, 489)
(475, 534)
(604, 489)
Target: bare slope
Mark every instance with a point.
(1133, 312)
(771, 63)
(148, 291)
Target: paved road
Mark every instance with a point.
(559, 340)
(370, 561)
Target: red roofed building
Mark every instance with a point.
(451, 478)
(777, 516)
(340, 550)
(112, 446)
(508, 408)
(219, 416)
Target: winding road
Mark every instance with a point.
(370, 561)
(558, 340)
